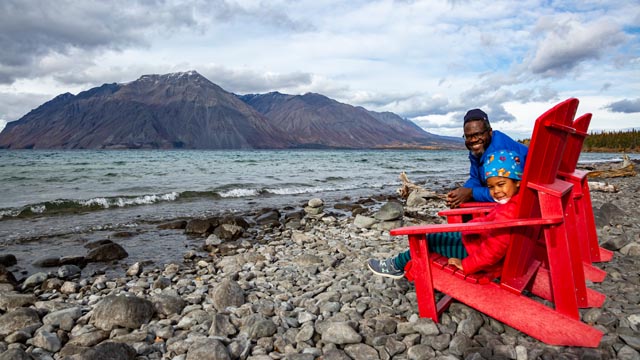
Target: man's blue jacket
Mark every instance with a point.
(477, 181)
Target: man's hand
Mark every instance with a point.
(455, 262)
(458, 196)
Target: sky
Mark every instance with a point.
(428, 61)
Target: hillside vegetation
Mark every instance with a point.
(609, 141)
(618, 141)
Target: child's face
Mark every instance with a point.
(502, 188)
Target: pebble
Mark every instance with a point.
(300, 291)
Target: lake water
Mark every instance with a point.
(52, 202)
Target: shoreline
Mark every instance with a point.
(306, 294)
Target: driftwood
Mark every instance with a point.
(408, 188)
(601, 186)
(627, 169)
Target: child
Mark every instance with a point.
(473, 252)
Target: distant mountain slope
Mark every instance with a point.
(185, 110)
(314, 120)
(180, 110)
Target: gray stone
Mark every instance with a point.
(340, 333)
(364, 222)
(7, 279)
(207, 349)
(121, 311)
(507, 351)
(631, 249)
(415, 199)
(392, 210)
(34, 280)
(64, 319)
(459, 344)
(15, 354)
(222, 326)
(69, 287)
(9, 301)
(106, 252)
(228, 232)
(88, 339)
(166, 304)
(108, 351)
(68, 271)
(628, 353)
(47, 341)
(26, 319)
(471, 324)
(361, 352)
(306, 333)
(271, 217)
(174, 225)
(262, 328)
(47, 261)
(421, 351)
(313, 210)
(227, 293)
(426, 326)
(8, 260)
(315, 203)
(394, 347)
(135, 269)
(336, 354)
(441, 341)
(199, 226)
(633, 341)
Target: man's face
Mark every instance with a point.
(477, 137)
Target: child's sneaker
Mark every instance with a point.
(386, 267)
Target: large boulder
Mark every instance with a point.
(122, 311)
(26, 319)
(392, 210)
(106, 252)
(227, 293)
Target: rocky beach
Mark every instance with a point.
(292, 283)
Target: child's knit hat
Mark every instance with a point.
(503, 163)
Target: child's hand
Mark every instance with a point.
(455, 262)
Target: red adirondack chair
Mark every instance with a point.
(540, 218)
(582, 216)
(585, 223)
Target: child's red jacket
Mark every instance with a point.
(487, 249)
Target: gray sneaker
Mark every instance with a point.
(386, 267)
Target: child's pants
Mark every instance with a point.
(448, 244)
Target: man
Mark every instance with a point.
(480, 139)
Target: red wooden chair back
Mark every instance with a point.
(543, 161)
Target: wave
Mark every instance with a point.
(65, 206)
(68, 206)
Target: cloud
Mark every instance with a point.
(244, 81)
(567, 43)
(625, 106)
(13, 105)
(32, 32)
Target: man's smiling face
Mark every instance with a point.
(477, 137)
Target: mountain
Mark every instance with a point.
(186, 110)
(179, 110)
(313, 120)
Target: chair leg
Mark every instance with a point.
(420, 271)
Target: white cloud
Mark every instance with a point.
(430, 61)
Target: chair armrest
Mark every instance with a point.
(465, 211)
(474, 226)
(477, 204)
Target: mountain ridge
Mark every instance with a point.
(186, 110)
